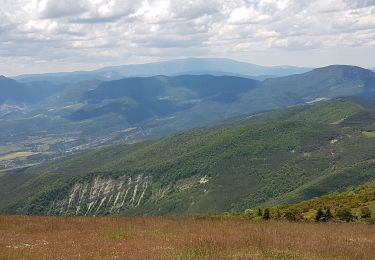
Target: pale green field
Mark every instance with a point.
(369, 134)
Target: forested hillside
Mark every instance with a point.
(264, 159)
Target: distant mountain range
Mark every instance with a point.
(52, 119)
(191, 66)
(205, 99)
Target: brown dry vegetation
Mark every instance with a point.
(24, 237)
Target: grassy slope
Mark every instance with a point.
(353, 199)
(272, 158)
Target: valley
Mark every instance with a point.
(71, 117)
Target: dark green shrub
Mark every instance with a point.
(293, 215)
(266, 214)
(319, 215)
(365, 212)
(345, 215)
(327, 216)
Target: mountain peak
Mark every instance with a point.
(3, 78)
(343, 69)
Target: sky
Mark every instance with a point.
(38, 36)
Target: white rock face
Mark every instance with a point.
(104, 194)
(204, 180)
(333, 141)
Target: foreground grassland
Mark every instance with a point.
(23, 237)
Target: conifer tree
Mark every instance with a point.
(327, 215)
(319, 215)
(266, 214)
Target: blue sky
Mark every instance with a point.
(53, 35)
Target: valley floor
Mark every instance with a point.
(24, 237)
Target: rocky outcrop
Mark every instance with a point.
(104, 195)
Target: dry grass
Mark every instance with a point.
(23, 237)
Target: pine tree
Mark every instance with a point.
(319, 215)
(327, 215)
(266, 214)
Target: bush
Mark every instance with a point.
(366, 212)
(278, 214)
(345, 215)
(248, 213)
(293, 215)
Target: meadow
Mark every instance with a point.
(32, 237)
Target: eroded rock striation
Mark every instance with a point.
(104, 195)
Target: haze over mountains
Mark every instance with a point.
(80, 114)
(192, 66)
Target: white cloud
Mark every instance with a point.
(243, 15)
(92, 33)
(57, 9)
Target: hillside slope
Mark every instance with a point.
(138, 99)
(353, 204)
(16, 92)
(251, 162)
(318, 84)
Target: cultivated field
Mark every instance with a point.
(23, 237)
(16, 155)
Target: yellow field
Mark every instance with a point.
(23, 237)
(11, 156)
(369, 134)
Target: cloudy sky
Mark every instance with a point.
(62, 35)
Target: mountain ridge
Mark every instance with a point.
(69, 117)
(168, 68)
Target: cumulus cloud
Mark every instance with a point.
(93, 33)
(57, 9)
